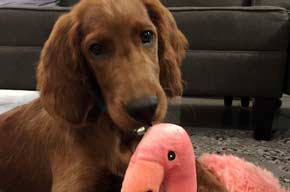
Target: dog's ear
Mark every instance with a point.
(60, 74)
(171, 47)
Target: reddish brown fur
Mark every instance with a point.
(61, 141)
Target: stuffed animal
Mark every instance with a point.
(164, 161)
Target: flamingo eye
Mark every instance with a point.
(171, 155)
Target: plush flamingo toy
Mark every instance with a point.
(164, 161)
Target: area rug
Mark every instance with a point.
(216, 129)
(273, 155)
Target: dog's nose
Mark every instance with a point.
(143, 109)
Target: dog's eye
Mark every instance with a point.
(96, 49)
(147, 37)
(171, 155)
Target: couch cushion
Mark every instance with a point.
(236, 28)
(206, 3)
(279, 3)
(29, 26)
(17, 67)
(234, 73)
(67, 3)
(23, 32)
(178, 3)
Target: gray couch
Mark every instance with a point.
(238, 48)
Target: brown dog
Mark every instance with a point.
(105, 71)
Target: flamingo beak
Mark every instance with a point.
(143, 176)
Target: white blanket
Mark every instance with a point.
(12, 98)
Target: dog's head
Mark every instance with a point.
(118, 56)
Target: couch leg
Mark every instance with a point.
(228, 101)
(245, 102)
(264, 110)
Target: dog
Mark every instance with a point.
(107, 69)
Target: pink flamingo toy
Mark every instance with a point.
(164, 161)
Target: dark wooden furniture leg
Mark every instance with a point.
(264, 110)
(228, 101)
(245, 102)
